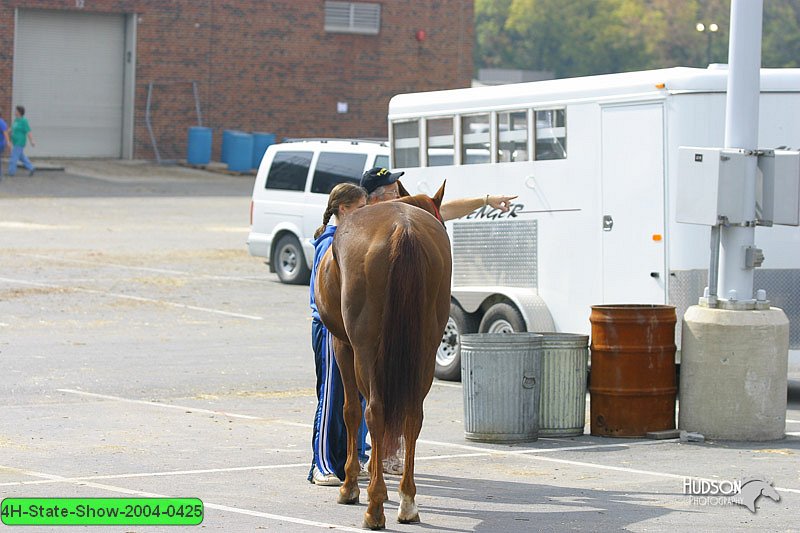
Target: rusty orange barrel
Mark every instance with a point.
(632, 383)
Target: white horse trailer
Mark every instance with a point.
(594, 161)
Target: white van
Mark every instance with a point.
(291, 192)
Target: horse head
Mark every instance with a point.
(753, 489)
(427, 203)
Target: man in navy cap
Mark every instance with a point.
(381, 185)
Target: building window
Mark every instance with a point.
(551, 134)
(352, 17)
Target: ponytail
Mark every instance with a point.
(326, 217)
(342, 194)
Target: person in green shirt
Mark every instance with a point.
(20, 132)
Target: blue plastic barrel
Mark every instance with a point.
(240, 152)
(198, 150)
(226, 141)
(261, 141)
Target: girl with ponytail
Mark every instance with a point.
(329, 439)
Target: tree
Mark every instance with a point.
(781, 39)
(493, 44)
(584, 37)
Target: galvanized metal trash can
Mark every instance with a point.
(501, 377)
(565, 364)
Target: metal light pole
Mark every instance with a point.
(710, 30)
(734, 349)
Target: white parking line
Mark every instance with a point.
(194, 275)
(144, 474)
(158, 404)
(446, 384)
(475, 451)
(207, 505)
(130, 297)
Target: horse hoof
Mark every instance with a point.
(413, 520)
(345, 500)
(374, 524)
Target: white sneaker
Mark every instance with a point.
(363, 473)
(393, 464)
(326, 480)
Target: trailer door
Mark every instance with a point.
(633, 173)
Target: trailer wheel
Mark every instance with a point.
(502, 318)
(290, 261)
(448, 356)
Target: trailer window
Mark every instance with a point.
(512, 135)
(334, 168)
(440, 141)
(551, 134)
(289, 171)
(405, 143)
(475, 139)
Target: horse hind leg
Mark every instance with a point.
(408, 512)
(374, 517)
(349, 491)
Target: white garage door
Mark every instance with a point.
(69, 74)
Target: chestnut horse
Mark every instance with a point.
(383, 291)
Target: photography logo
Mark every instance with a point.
(744, 492)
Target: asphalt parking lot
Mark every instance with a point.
(145, 353)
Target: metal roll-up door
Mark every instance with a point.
(69, 75)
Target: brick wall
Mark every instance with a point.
(270, 66)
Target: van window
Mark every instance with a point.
(382, 161)
(289, 171)
(334, 168)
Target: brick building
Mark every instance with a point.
(86, 70)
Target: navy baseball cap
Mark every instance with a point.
(378, 177)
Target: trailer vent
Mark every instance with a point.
(352, 17)
(502, 252)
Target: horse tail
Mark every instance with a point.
(401, 340)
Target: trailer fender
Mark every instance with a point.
(527, 301)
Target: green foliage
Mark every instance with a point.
(584, 37)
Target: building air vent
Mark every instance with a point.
(352, 17)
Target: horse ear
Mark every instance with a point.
(402, 190)
(437, 198)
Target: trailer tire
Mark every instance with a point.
(448, 356)
(290, 261)
(502, 318)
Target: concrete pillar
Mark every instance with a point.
(733, 374)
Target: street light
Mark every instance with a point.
(710, 30)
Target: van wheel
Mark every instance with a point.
(290, 261)
(448, 356)
(502, 318)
